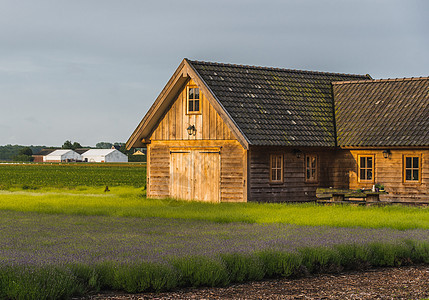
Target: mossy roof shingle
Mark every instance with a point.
(276, 106)
(389, 112)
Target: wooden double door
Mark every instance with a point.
(195, 174)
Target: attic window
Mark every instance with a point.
(193, 100)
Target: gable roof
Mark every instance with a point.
(274, 106)
(44, 152)
(385, 112)
(261, 106)
(60, 152)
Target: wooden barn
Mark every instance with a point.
(233, 133)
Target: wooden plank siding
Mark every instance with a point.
(232, 166)
(294, 187)
(388, 171)
(211, 132)
(209, 124)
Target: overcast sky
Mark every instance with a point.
(88, 70)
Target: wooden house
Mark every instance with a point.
(233, 133)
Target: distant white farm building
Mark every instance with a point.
(63, 155)
(104, 155)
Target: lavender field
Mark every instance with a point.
(50, 256)
(59, 243)
(41, 239)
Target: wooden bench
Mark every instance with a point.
(330, 195)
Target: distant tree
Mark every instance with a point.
(26, 151)
(123, 149)
(76, 145)
(9, 152)
(23, 157)
(103, 145)
(67, 145)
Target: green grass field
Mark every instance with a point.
(131, 202)
(62, 235)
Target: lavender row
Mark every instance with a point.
(41, 239)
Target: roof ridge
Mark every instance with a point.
(272, 68)
(381, 80)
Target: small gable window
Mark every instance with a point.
(276, 168)
(310, 168)
(366, 168)
(412, 169)
(193, 103)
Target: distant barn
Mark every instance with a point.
(64, 155)
(38, 157)
(104, 155)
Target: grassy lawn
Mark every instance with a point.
(131, 202)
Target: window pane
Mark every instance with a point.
(408, 162)
(279, 174)
(369, 174)
(308, 174)
(415, 175)
(362, 174)
(415, 162)
(362, 162)
(273, 174)
(191, 93)
(191, 105)
(197, 105)
(313, 162)
(408, 175)
(197, 93)
(369, 162)
(313, 173)
(279, 161)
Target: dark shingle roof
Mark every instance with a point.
(390, 112)
(275, 106)
(44, 152)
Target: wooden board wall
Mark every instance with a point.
(294, 188)
(389, 171)
(232, 168)
(211, 132)
(209, 124)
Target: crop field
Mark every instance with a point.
(32, 176)
(70, 239)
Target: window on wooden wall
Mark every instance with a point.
(276, 168)
(193, 100)
(412, 168)
(366, 168)
(311, 168)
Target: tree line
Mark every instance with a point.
(22, 153)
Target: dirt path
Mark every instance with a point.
(387, 283)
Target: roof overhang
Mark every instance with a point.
(159, 108)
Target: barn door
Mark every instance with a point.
(181, 175)
(195, 175)
(206, 176)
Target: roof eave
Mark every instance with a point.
(158, 108)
